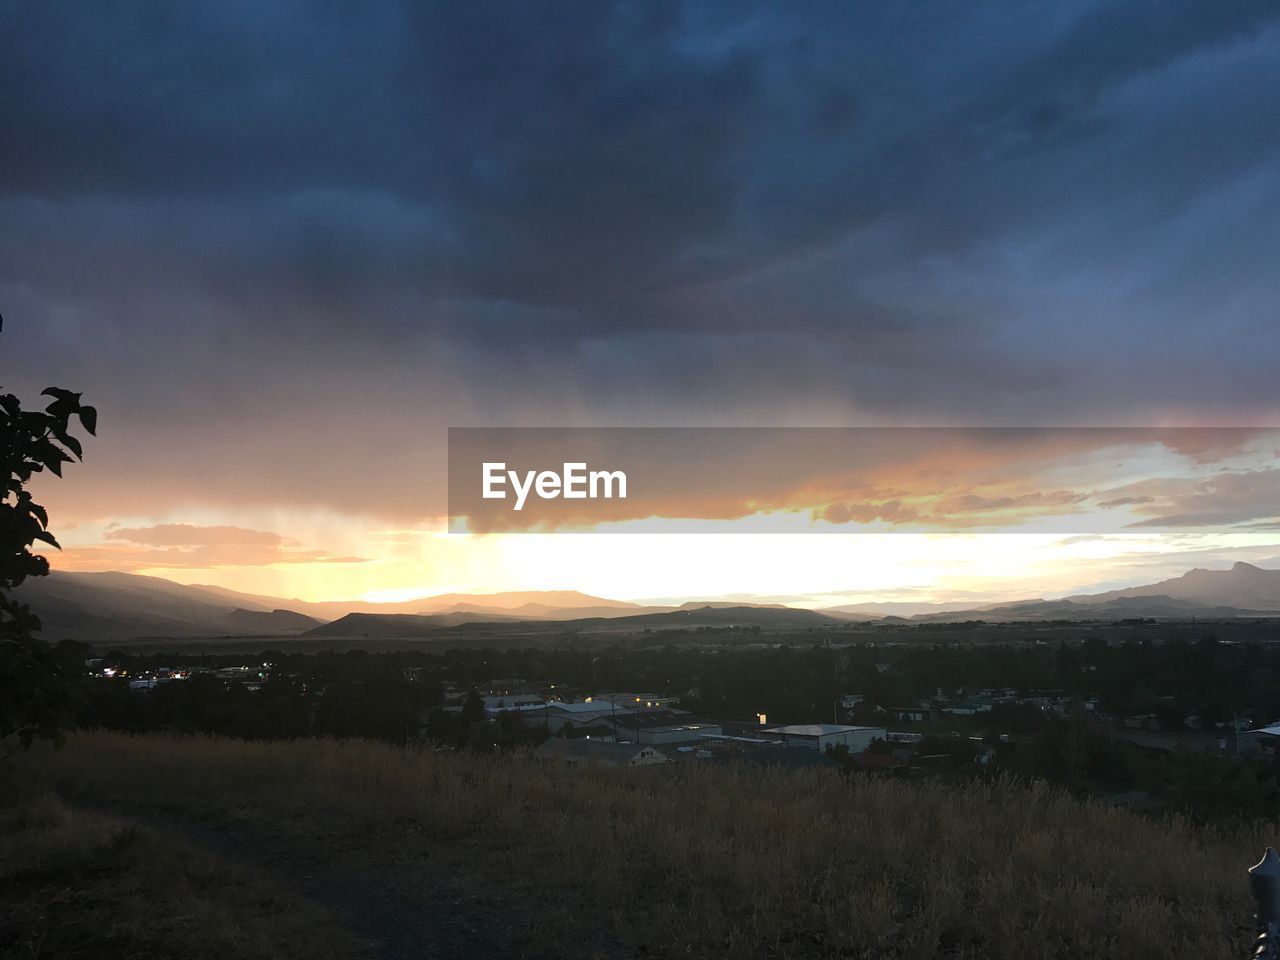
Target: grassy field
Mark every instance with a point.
(358, 848)
(81, 884)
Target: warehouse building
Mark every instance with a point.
(822, 736)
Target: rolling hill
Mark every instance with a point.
(393, 625)
(387, 626)
(108, 606)
(1118, 608)
(898, 609)
(526, 604)
(101, 607)
(272, 621)
(1241, 591)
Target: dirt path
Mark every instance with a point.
(407, 906)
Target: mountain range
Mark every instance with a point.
(106, 606)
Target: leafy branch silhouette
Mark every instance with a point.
(41, 685)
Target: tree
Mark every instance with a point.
(41, 685)
(473, 706)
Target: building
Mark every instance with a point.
(898, 736)
(661, 727)
(977, 705)
(743, 728)
(599, 754)
(911, 714)
(513, 686)
(583, 713)
(635, 701)
(533, 714)
(496, 703)
(824, 736)
(597, 731)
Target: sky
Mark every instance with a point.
(284, 247)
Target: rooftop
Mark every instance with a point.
(596, 706)
(816, 729)
(660, 718)
(519, 708)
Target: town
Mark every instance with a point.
(1204, 741)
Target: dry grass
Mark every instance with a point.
(79, 884)
(701, 861)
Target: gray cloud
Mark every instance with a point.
(318, 235)
(1243, 497)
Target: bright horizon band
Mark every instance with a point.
(1045, 480)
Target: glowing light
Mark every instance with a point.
(802, 569)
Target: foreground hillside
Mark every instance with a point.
(213, 847)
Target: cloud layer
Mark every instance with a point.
(190, 547)
(283, 247)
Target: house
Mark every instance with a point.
(599, 754)
(821, 736)
(911, 714)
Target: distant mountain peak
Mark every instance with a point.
(1243, 586)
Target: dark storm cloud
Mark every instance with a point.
(525, 143)
(310, 228)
